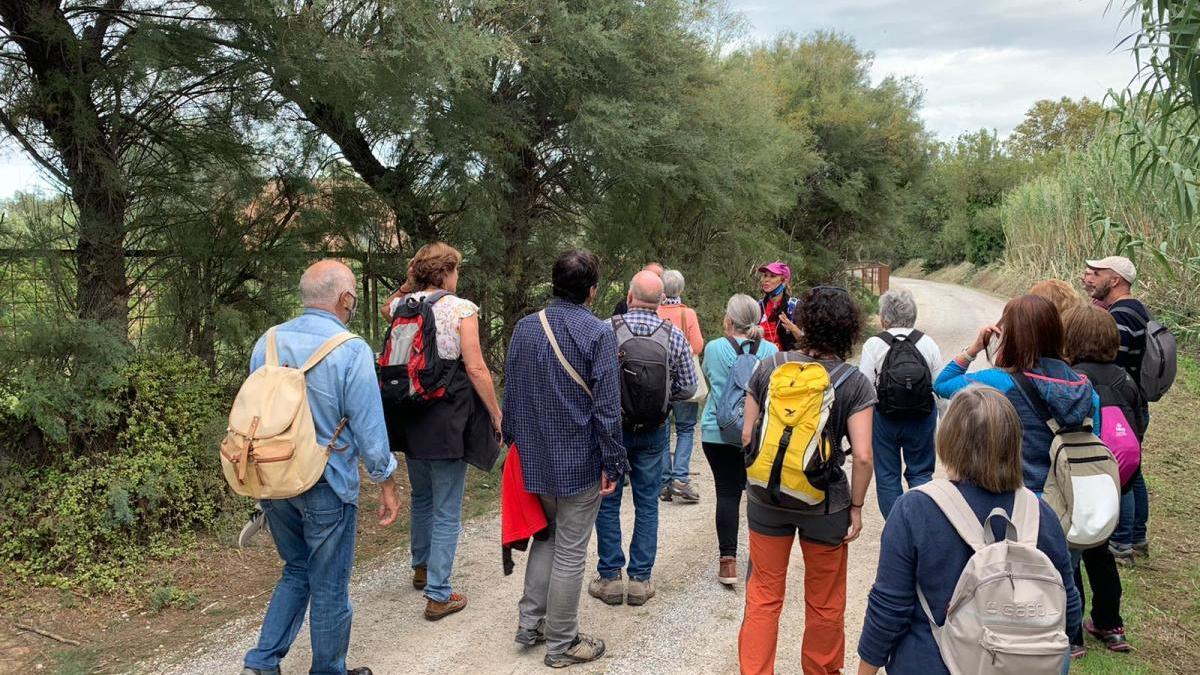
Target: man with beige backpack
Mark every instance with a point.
(300, 423)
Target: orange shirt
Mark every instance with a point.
(684, 318)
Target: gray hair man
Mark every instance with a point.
(314, 532)
(652, 350)
(888, 359)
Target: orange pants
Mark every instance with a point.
(824, 647)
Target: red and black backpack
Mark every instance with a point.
(411, 373)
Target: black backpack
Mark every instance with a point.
(905, 386)
(412, 375)
(645, 362)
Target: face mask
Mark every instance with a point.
(778, 289)
(353, 311)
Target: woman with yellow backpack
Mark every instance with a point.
(800, 407)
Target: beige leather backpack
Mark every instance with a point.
(1008, 612)
(270, 449)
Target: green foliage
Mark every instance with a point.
(166, 597)
(85, 519)
(985, 237)
(1053, 127)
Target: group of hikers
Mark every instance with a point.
(588, 409)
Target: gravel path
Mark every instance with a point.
(690, 626)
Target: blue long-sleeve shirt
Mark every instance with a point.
(565, 437)
(341, 385)
(920, 546)
(1067, 394)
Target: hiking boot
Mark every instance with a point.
(1113, 639)
(420, 577)
(665, 494)
(531, 636)
(639, 591)
(1141, 549)
(1078, 652)
(259, 671)
(727, 572)
(256, 524)
(685, 491)
(1123, 553)
(582, 650)
(610, 591)
(435, 610)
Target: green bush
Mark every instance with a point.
(985, 237)
(86, 519)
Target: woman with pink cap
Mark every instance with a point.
(777, 305)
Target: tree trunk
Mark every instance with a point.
(521, 199)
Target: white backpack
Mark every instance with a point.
(1008, 613)
(270, 450)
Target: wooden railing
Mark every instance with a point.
(874, 276)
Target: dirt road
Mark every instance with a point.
(691, 626)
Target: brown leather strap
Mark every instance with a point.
(336, 432)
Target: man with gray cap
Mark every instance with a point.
(1109, 282)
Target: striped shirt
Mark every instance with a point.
(1132, 333)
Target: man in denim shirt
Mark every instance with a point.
(314, 532)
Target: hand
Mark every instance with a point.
(607, 485)
(981, 340)
(855, 525)
(787, 323)
(389, 502)
(498, 426)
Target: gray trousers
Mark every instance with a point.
(554, 575)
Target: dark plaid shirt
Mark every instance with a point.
(566, 437)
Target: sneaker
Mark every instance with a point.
(435, 610)
(1113, 639)
(1078, 652)
(359, 671)
(531, 636)
(685, 491)
(420, 577)
(665, 494)
(582, 650)
(256, 524)
(610, 591)
(639, 591)
(1141, 549)
(259, 671)
(1123, 553)
(727, 571)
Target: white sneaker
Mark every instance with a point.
(257, 522)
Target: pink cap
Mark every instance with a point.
(778, 267)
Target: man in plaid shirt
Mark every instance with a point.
(565, 419)
(647, 451)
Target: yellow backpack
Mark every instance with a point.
(270, 450)
(793, 455)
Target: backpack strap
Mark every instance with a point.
(558, 352)
(888, 338)
(1129, 312)
(1026, 516)
(957, 511)
(325, 348)
(621, 329)
(737, 348)
(844, 371)
(914, 336)
(1035, 400)
(272, 348)
(432, 298)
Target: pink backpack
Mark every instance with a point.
(1117, 434)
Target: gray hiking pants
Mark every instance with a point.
(554, 575)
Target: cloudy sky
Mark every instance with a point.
(981, 62)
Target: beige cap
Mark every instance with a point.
(1117, 263)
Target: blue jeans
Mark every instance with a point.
(1135, 511)
(646, 451)
(685, 436)
(314, 534)
(890, 437)
(437, 495)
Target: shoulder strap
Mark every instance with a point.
(754, 345)
(1026, 516)
(327, 347)
(957, 511)
(432, 298)
(558, 352)
(272, 348)
(620, 328)
(1035, 400)
(915, 336)
(737, 348)
(887, 337)
(1129, 312)
(844, 371)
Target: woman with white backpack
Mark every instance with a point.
(920, 617)
(721, 423)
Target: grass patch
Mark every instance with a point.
(74, 662)
(1161, 600)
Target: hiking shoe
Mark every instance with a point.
(610, 591)
(359, 671)
(435, 610)
(258, 671)
(531, 636)
(1113, 639)
(1141, 549)
(665, 494)
(727, 571)
(1078, 652)
(582, 650)
(420, 577)
(256, 524)
(1123, 553)
(685, 491)
(639, 591)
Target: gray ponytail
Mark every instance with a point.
(745, 313)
